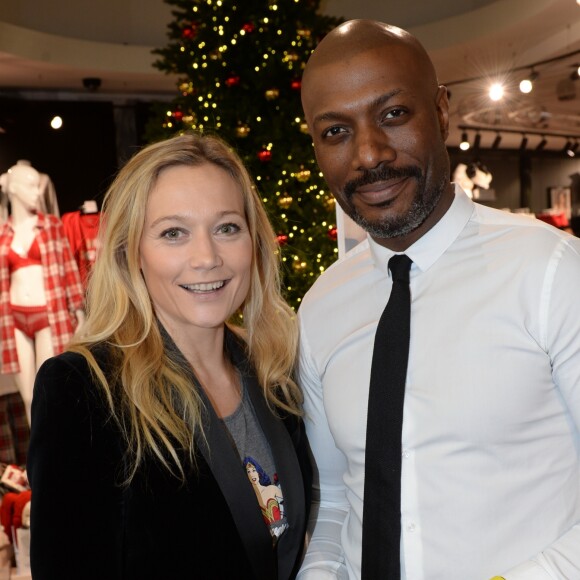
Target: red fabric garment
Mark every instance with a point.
(7, 512)
(11, 510)
(62, 286)
(21, 500)
(82, 230)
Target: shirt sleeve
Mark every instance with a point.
(561, 324)
(324, 559)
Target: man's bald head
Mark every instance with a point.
(358, 36)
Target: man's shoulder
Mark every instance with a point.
(347, 270)
(527, 232)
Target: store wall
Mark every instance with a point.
(80, 158)
(546, 170)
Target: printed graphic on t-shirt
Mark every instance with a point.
(270, 497)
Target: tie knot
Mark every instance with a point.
(399, 265)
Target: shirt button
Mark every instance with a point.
(411, 527)
(405, 454)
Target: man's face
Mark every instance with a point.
(379, 131)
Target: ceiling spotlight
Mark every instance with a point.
(464, 145)
(524, 143)
(496, 141)
(527, 84)
(541, 144)
(56, 122)
(496, 92)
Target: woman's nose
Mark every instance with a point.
(205, 253)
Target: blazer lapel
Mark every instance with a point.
(233, 482)
(287, 466)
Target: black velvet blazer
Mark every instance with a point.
(84, 525)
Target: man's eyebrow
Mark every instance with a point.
(337, 116)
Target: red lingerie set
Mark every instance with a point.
(28, 319)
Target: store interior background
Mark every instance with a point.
(51, 52)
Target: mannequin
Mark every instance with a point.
(472, 178)
(40, 291)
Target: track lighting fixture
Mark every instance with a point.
(568, 148)
(571, 148)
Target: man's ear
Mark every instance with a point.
(442, 104)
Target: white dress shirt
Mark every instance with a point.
(491, 443)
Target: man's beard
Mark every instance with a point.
(423, 204)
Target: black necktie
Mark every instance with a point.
(381, 536)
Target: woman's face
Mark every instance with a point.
(195, 249)
(253, 475)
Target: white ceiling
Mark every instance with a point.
(51, 51)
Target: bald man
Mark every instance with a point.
(490, 469)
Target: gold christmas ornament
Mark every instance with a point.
(304, 127)
(298, 266)
(303, 175)
(272, 94)
(304, 32)
(329, 202)
(285, 202)
(290, 57)
(242, 130)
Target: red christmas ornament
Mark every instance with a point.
(333, 234)
(190, 31)
(296, 84)
(233, 81)
(248, 28)
(177, 115)
(282, 239)
(264, 155)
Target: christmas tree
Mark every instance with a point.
(239, 66)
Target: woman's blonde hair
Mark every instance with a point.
(151, 396)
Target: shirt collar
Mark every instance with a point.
(430, 247)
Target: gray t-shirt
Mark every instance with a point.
(256, 457)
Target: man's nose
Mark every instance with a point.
(373, 146)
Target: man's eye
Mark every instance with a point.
(394, 113)
(333, 131)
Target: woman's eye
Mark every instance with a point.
(229, 228)
(171, 234)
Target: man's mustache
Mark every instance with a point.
(382, 173)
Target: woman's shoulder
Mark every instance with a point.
(69, 376)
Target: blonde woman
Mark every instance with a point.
(139, 431)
